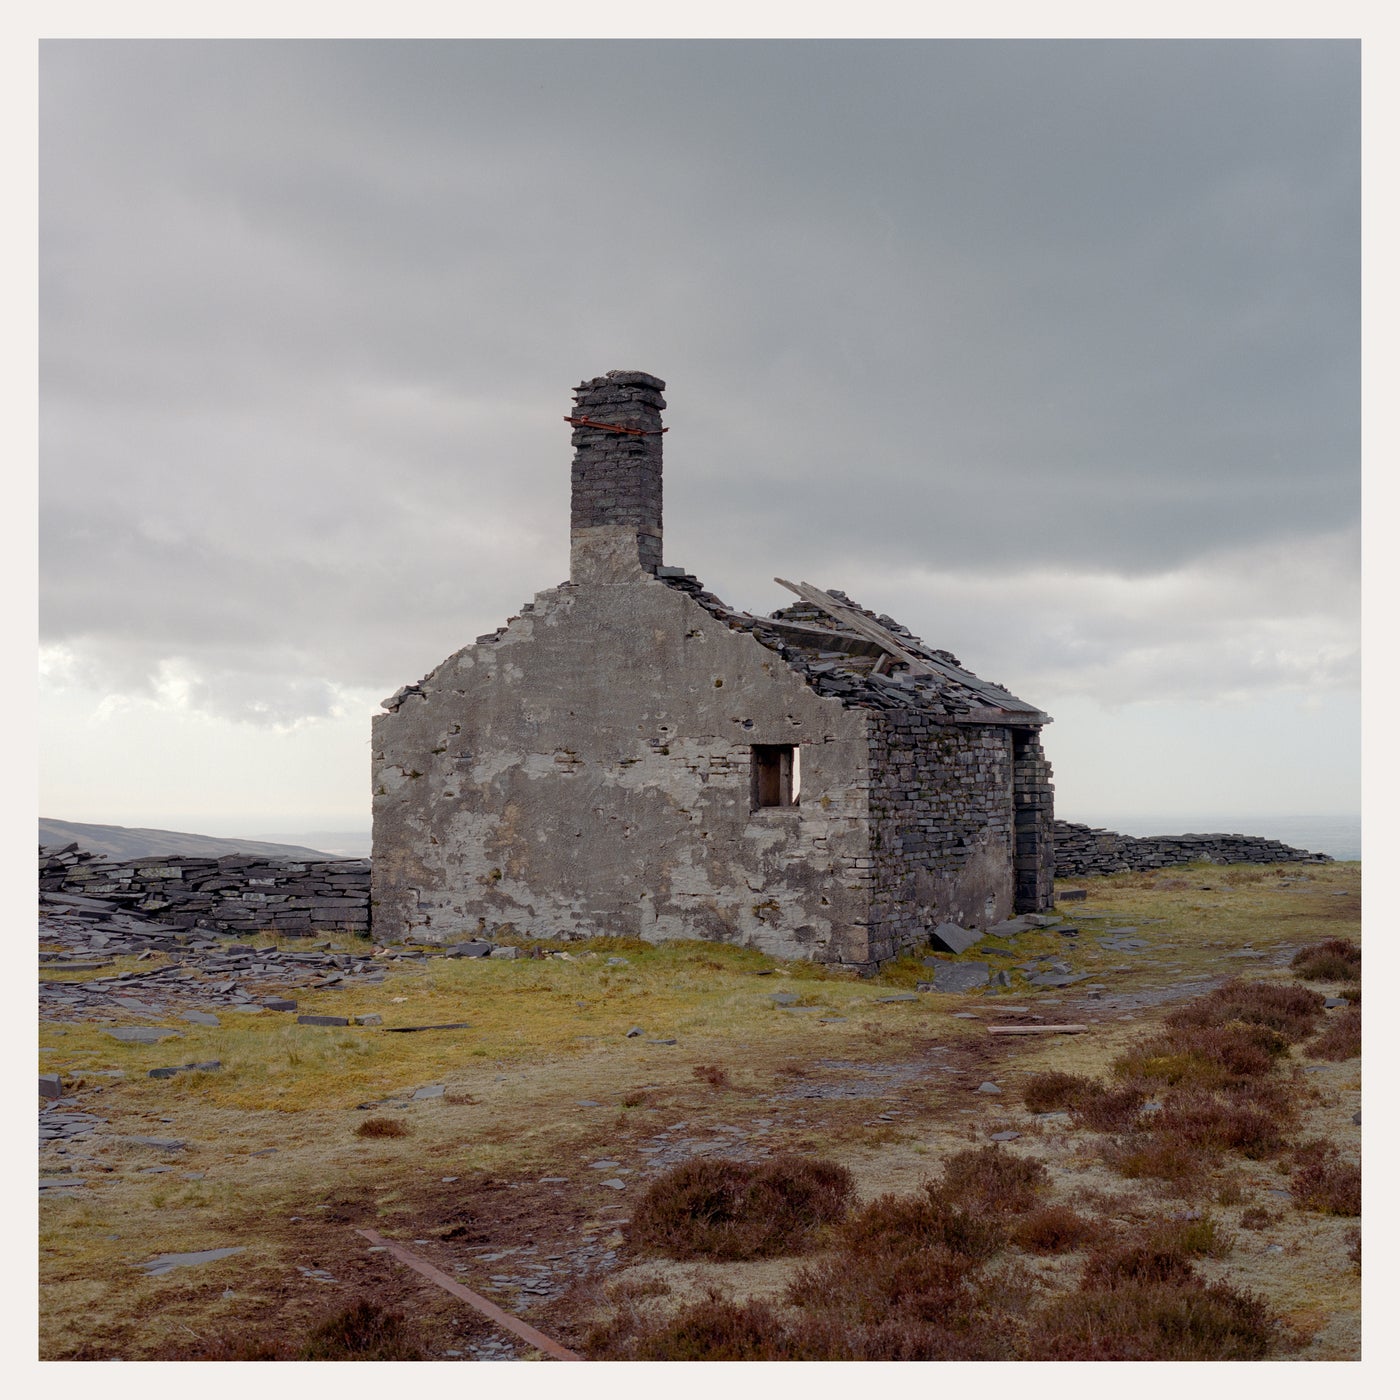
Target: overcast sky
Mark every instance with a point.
(1048, 349)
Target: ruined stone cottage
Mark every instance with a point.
(632, 756)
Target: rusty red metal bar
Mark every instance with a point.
(485, 1306)
(615, 427)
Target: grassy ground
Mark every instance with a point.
(546, 1081)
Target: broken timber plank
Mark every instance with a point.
(1035, 1030)
(1000, 700)
(485, 1306)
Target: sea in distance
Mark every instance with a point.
(1335, 836)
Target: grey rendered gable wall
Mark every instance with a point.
(588, 772)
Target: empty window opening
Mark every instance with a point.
(777, 775)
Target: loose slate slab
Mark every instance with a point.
(1008, 928)
(430, 1091)
(953, 938)
(201, 1018)
(472, 949)
(50, 1086)
(961, 977)
(323, 1020)
(279, 1004)
(143, 1035)
(899, 996)
(170, 1071)
(165, 1263)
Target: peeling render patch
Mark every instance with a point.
(631, 756)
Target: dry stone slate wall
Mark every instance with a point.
(1083, 850)
(941, 828)
(237, 894)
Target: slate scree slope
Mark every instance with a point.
(631, 756)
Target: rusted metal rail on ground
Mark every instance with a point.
(485, 1306)
(1036, 1030)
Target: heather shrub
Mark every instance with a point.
(1334, 960)
(1289, 1010)
(1341, 1040)
(1218, 1122)
(899, 1224)
(1054, 1230)
(364, 1332)
(739, 1210)
(1052, 1091)
(1322, 1181)
(1137, 1262)
(1184, 1320)
(991, 1179)
(1110, 1110)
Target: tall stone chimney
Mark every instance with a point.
(615, 523)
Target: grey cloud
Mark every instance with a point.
(311, 312)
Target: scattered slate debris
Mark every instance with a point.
(165, 1263)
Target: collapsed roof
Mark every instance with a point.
(863, 659)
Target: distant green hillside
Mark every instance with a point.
(133, 842)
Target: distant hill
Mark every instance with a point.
(134, 842)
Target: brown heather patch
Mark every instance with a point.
(1216, 1123)
(1206, 1056)
(1052, 1091)
(1054, 1230)
(364, 1332)
(715, 1075)
(1342, 1038)
(1159, 1158)
(1183, 1320)
(992, 1179)
(1291, 1011)
(1110, 1110)
(1321, 1181)
(891, 1225)
(737, 1210)
(1333, 960)
(1257, 1218)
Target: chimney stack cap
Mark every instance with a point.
(617, 378)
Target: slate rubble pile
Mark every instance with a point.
(1084, 850)
(236, 894)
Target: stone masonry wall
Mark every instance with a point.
(616, 475)
(942, 828)
(590, 769)
(1035, 821)
(239, 894)
(1083, 850)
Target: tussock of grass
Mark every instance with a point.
(737, 1210)
(715, 1075)
(1333, 960)
(382, 1128)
